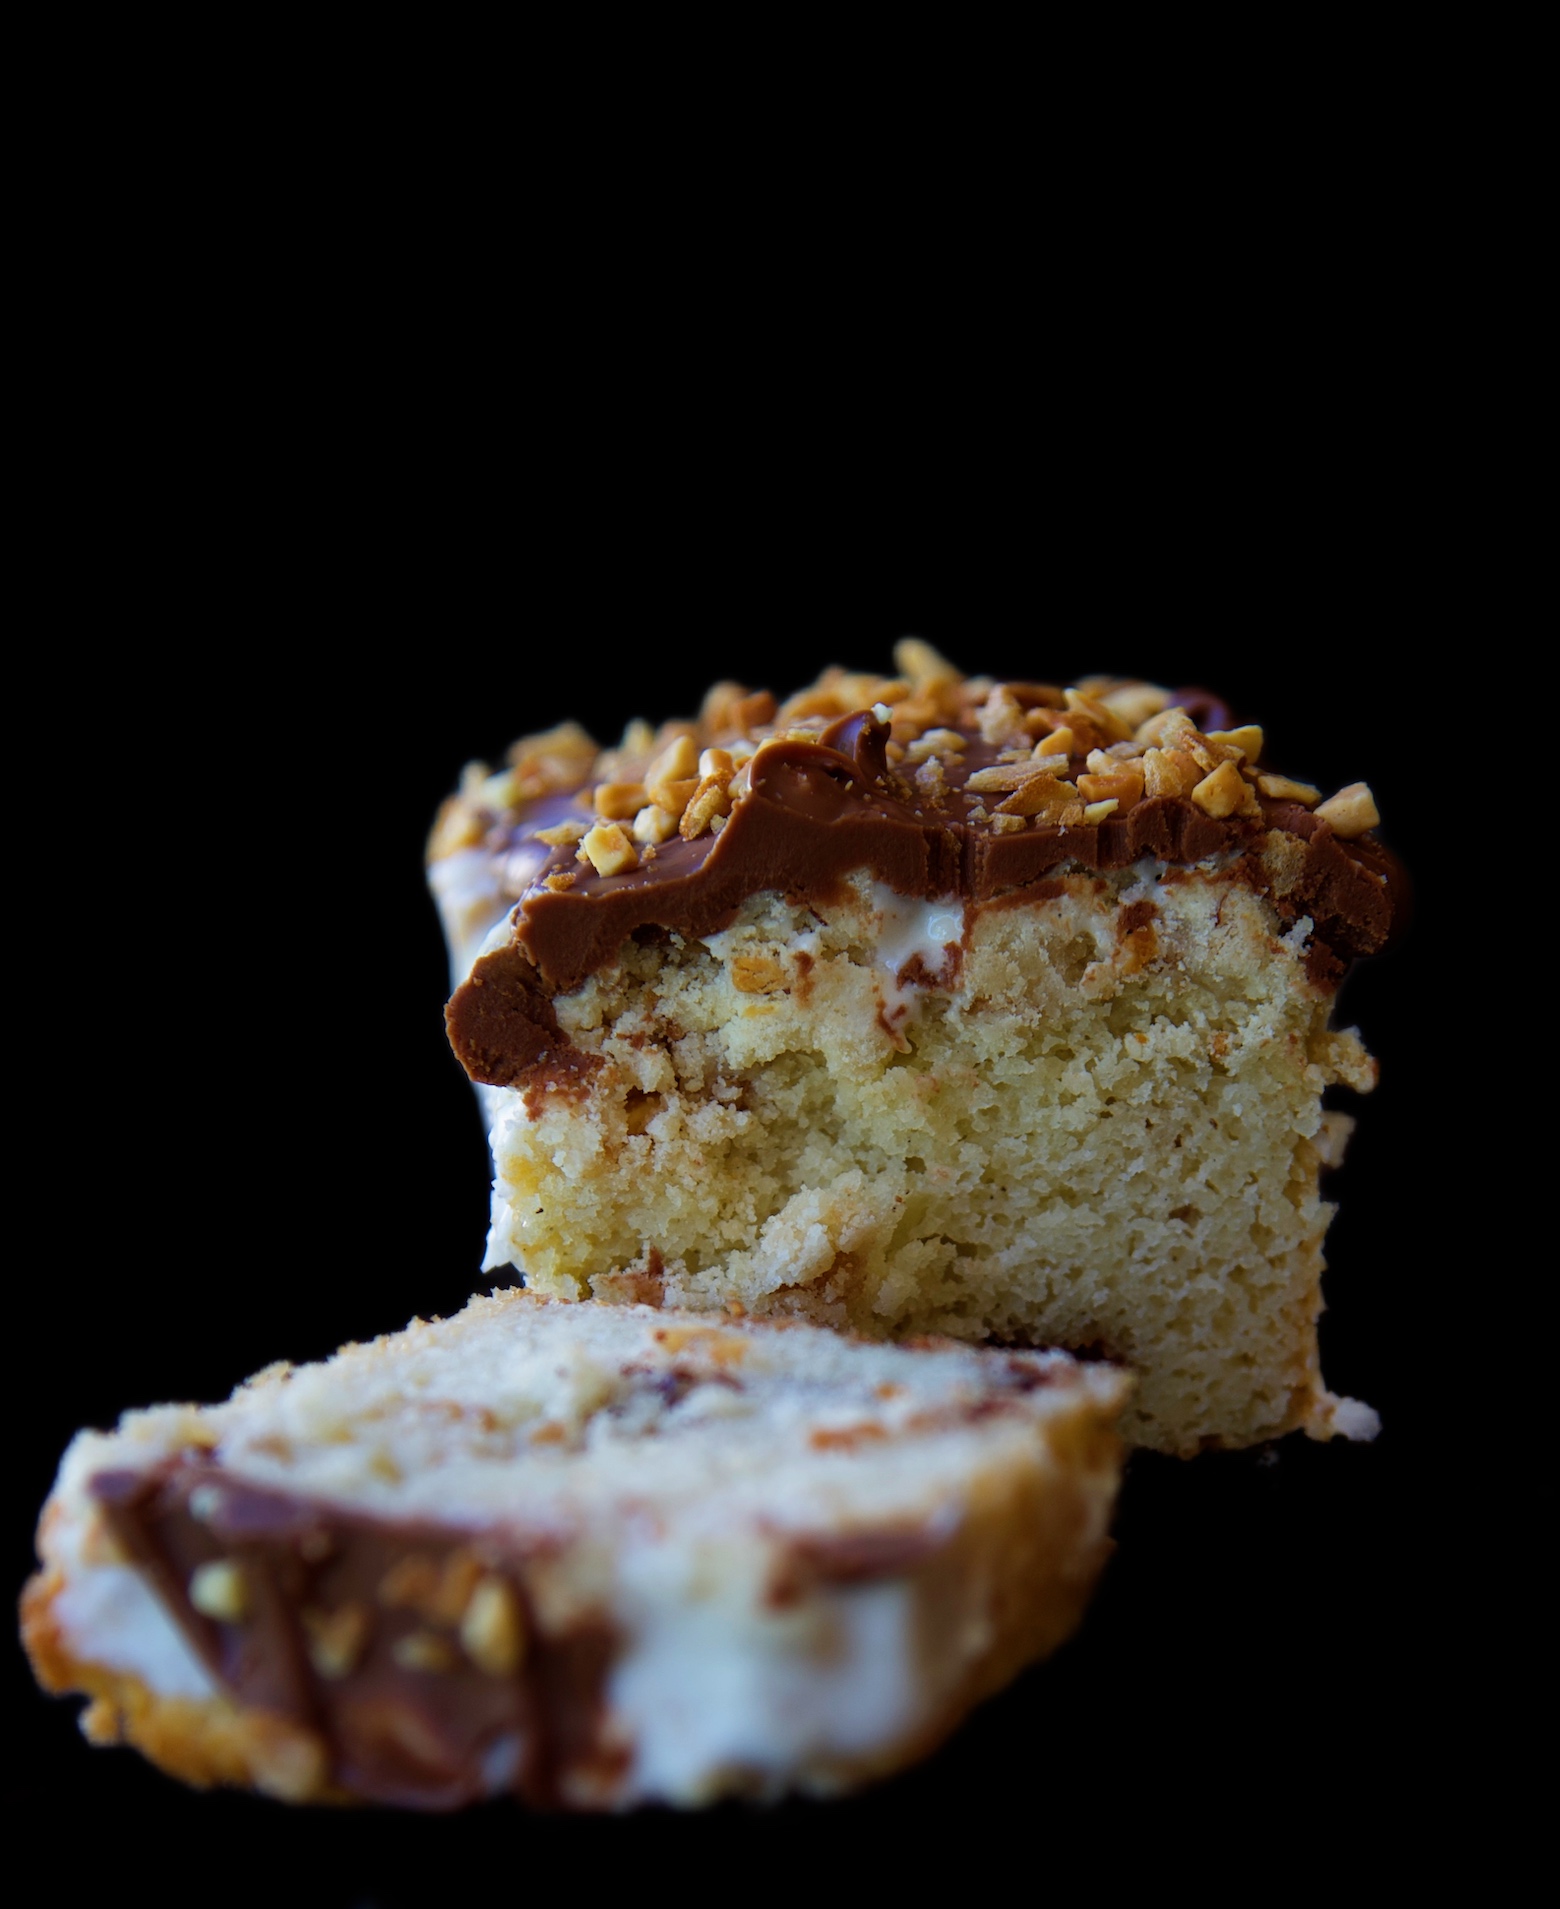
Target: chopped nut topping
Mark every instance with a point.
(1011, 775)
(1221, 792)
(1103, 718)
(1247, 739)
(421, 1650)
(1170, 771)
(654, 825)
(687, 777)
(564, 878)
(554, 761)
(931, 780)
(617, 801)
(457, 826)
(336, 1638)
(728, 709)
(1351, 811)
(674, 764)
(1043, 795)
(1133, 703)
(219, 1590)
(609, 850)
(562, 833)
(1282, 789)
(492, 1633)
(935, 742)
(1160, 731)
(1001, 718)
(501, 791)
(708, 800)
(636, 746)
(1123, 785)
(922, 664)
(673, 796)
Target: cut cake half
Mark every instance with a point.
(928, 1004)
(595, 1555)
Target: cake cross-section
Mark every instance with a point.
(593, 1555)
(929, 1003)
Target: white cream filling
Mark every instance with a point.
(710, 1689)
(108, 1616)
(907, 928)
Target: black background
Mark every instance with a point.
(248, 1140)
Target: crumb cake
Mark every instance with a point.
(928, 1004)
(593, 1555)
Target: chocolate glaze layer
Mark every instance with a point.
(817, 812)
(431, 1738)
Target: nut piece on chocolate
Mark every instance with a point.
(927, 1003)
(594, 1556)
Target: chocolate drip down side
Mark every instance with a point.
(817, 812)
(411, 1651)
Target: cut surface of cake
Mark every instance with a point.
(928, 1004)
(595, 1555)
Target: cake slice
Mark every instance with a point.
(595, 1555)
(928, 1004)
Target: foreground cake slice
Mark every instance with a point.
(596, 1555)
(928, 1004)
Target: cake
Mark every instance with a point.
(928, 1004)
(593, 1555)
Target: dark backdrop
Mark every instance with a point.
(248, 1141)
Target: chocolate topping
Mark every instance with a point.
(819, 809)
(352, 1627)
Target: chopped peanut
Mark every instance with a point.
(1222, 792)
(654, 825)
(1040, 795)
(708, 801)
(561, 834)
(617, 801)
(1351, 811)
(1282, 789)
(1170, 772)
(609, 850)
(1247, 739)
